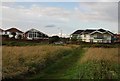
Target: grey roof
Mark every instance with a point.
(87, 31)
(101, 30)
(78, 32)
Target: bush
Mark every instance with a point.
(54, 39)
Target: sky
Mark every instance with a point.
(52, 18)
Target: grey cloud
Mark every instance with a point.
(40, 16)
(97, 11)
(50, 26)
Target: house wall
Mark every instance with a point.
(94, 36)
(106, 38)
(30, 38)
(10, 35)
(85, 37)
(2, 32)
(37, 35)
(91, 38)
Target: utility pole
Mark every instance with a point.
(61, 33)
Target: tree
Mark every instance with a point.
(54, 39)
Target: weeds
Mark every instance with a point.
(29, 59)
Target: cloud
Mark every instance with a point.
(84, 12)
(97, 11)
(60, 0)
(34, 13)
(41, 16)
(50, 26)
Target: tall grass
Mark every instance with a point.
(28, 59)
(62, 62)
(0, 63)
(100, 63)
(98, 54)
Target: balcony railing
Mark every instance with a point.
(99, 38)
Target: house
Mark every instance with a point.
(2, 32)
(117, 38)
(34, 34)
(85, 35)
(77, 34)
(14, 33)
(94, 35)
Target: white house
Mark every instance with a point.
(34, 34)
(95, 36)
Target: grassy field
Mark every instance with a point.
(28, 59)
(100, 63)
(98, 54)
(0, 63)
(60, 62)
(84, 63)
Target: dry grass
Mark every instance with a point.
(16, 60)
(98, 54)
(0, 63)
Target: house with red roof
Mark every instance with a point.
(12, 33)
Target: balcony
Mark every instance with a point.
(99, 38)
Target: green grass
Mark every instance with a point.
(14, 43)
(98, 70)
(62, 67)
(19, 62)
(66, 65)
(69, 67)
(17, 43)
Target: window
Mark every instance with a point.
(32, 34)
(99, 36)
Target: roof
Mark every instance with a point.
(14, 30)
(110, 32)
(1, 30)
(101, 30)
(31, 30)
(87, 31)
(78, 32)
(116, 34)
